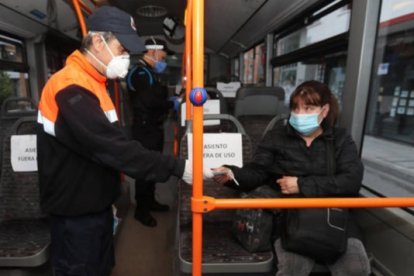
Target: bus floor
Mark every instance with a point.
(141, 250)
(147, 251)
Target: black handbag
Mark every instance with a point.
(319, 233)
(253, 228)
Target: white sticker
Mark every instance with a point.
(219, 149)
(383, 69)
(228, 89)
(23, 153)
(210, 107)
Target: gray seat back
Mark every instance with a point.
(19, 191)
(256, 106)
(259, 101)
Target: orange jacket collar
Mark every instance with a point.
(80, 60)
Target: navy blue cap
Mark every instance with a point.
(120, 23)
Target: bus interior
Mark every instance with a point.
(255, 53)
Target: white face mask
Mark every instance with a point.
(117, 66)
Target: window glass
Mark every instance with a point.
(235, 70)
(10, 49)
(319, 30)
(248, 59)
(14, 77)
(259, 64)
(13, 84)
(174, 69)
(388, 147)
(328, 69)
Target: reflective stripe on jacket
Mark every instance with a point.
(80, 147)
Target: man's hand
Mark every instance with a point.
(176, 101)
(188, 173)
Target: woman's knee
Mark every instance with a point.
(354, 262)
(290, 263)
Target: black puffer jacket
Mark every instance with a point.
(282, 152)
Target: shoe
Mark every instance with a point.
(158, 207)
(145, 217)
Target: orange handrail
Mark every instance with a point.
(202, 204)
(79, 14)
(188, 52)
(85, 7)
(198, 81)
(207, 204)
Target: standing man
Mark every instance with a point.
(81, 149)
(150, 107)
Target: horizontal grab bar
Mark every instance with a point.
(207, 204)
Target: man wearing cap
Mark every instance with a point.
(150, 105)
(81, 150)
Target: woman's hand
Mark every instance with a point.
(222, 175)
(288, 185)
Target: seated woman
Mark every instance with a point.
(293, 158)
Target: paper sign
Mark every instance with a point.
(219, 149)
(210, 107)
(228, 89)
(23, 153)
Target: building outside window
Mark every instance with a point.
(248, 68)
(14, 77)
(326, 67)
(389, 130)
(259, 64)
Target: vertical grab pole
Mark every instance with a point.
(198, 81)
(188, 51)
(80, 17)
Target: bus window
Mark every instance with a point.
(10, 49)
(14, 77)
(317, 31)
(248, 59)
(255, 65)
(329, 69)
(259, 64)
(389, 131)
(313, 50)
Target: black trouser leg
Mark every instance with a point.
(83, 245)
(144, 194)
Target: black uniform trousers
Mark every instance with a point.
(83, 245)
(151, 137)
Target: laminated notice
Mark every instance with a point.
(23, 153)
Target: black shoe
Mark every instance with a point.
(158, 207)
(145, 217)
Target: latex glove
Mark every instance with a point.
(223, 175)
(188, 173)
(176, 101)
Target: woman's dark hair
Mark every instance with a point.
(318, 94)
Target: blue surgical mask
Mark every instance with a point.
(305, 124)
(160, 66)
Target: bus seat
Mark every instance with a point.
(25, 238)
(221, 252)
(276, 120)
(11, 110)
(256, 106)
(17, 107)
(213, 93)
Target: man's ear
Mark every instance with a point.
(97, 43)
